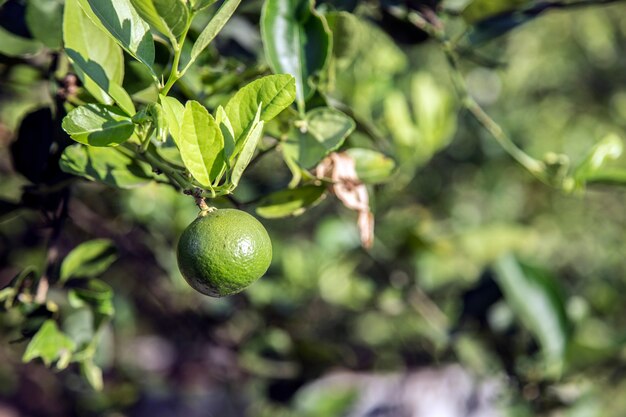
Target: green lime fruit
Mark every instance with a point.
(224, 251)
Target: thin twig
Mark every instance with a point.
(437, 31)
(52, 252)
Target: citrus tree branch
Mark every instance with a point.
(433, 27)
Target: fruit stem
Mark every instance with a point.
(203, 206)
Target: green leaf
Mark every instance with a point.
(173, 110)
(610, 147)
(536, 301)
(106, 165)
(297, 41)
(323, 131)
(216, 24)
(201, 4)
(274, 93)
(98, 125)
(169, 17)
(434, 112)
(78, 323)
(227, 131)
(425, 127)
(93, 374)
(201, 144)
(248, 147)
(99, 295)
(158, 121)
(122, 21)
(290, 202)
(89, 259)
(323, 400)
(44, 19)
(614, 176)
(478, 10)
(49, 344)
(16, 46)
(99, 65)
(372, 167)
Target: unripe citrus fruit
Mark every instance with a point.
(223, 251)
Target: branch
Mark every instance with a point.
(436, 30)
(52, 252)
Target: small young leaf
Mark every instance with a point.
(214, 27)
(248, 146)
(99, 295)
(159, 121)
(106, 165)
(201, 144)
(274, 93)
(536, 301)
(290, 202)
(98, 125)
(89, 259)
(93, 374)
(323, 132)
(297, 41)
(372, 167)
(609, 148)
(173, 110)
(123, 23)
(169, 17)
(49, 344)
(44, 18)
(227, 131)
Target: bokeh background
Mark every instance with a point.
(457, 225)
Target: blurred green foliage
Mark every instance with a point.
(474, 260)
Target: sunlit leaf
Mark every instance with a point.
(49, 344)
(216, 24)
(201, 144)
(89, 259)
(123, 23)
(227, 131)
(173, 111)
(273, 93)
(169, 17)
(201, 4)
(249, 145)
